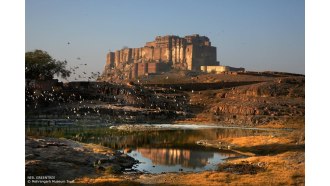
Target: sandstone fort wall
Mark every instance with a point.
(189, 53)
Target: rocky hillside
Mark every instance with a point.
(229, 99)
(255, 104)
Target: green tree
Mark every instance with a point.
(41, 66)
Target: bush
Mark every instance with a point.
(113, 169)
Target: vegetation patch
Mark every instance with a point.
(113, 169)
(242, 168)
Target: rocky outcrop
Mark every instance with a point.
(67, 159)
(255, 104)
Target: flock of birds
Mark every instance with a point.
(78, 75)
(74, 104)
(159, 100)
(84, 75)
(69, 103)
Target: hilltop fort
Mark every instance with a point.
(165, 52)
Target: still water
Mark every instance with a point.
(166, 150)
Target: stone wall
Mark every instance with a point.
(110, 60)
(221, 69)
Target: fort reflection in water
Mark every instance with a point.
(159, 150)
(158, 160)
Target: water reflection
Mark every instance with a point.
(134, 139)
(160, 151)
(159, 139)
(184, 157)
(157, 160)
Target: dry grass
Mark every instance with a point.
(106, 180)
(292, 123)
(251, 141)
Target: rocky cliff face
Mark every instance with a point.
(254, 104)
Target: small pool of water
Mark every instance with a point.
(172, 149)
(175, 160)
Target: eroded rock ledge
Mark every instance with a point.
(67, 159)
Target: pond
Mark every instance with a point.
(158, 149)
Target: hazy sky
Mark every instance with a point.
(256, 34)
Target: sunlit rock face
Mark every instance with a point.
(165, 52)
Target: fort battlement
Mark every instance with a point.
(189, 53)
